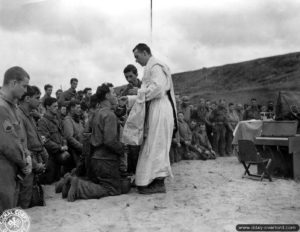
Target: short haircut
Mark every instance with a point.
(73, 79)
(93, 101)
(142, 47)
(83, 106)
(253, 99)
(102, 90)
(72, 104)
(59, 90)
(230, 104)
(31, 91)
(86, 90)
(47, 87)
(49, 101)
(130, 68)
(15, 73)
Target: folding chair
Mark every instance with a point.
(248, 156)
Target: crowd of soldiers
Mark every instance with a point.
(46, 138)
(77, 134)
(73, 139)
(206, 130)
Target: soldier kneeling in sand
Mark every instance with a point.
(104, 175)
(201, 142)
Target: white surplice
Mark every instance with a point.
(154, 159)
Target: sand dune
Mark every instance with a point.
(203, 196)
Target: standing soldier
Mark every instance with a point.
(15, 160)
(219, 122)
(252, 112)
(239, 111)
(48, 91)
(131, 74)
(186, 108)
(30, 101)
(68, 95)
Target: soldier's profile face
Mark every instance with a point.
(130, 77)
(77, 109)
(35, 101)
(112, 97)
(20, 87)
(54, 108)
(63, 110)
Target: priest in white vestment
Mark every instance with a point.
(154, 163)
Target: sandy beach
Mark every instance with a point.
(203, 196)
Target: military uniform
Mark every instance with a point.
(73, 132)
(50, 127)
(201, 115)
(106, 149)
(202, 144)
(251, 113)
(175, 154)
(12, 152)
(219, 121)
(185, 134)
(38, 153)
(240, 114)
(187, 112)
(66, 97)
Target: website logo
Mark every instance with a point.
(14, 220)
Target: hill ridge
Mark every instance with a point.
(262, 78)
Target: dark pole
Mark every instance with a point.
(151, 20)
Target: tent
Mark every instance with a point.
(288, 105)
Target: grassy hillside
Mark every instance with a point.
(261, 78)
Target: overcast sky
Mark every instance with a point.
(92, 40)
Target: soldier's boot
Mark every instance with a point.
(66, 185)
(73, 189)
(59, 185)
